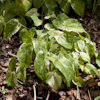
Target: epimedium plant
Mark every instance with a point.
(60, 50)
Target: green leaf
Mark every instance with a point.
(36, 20)
(11, 28)
(98, 60)
(85, 57)
(54, 79)
(24, 54)
(79, 46)
(27, 37)
(41, 33)
(54, 48)
(78, 7)
(39, 65)
(11, 79)
(48, 26)
(50, 4)
(12, 64)
(22, 33)
(90, 69)
(73, 25)
(61, 39)
(78, 81)
(58, 23)
(65, 6)
(32, 11)
(81, 64)
(62, 17)
(89, 49)
(18, 9)
(21, 72)
(26, 4)
(97, 98)
(59, 1)
(1, 27)
(37, 4)
(22, 20)
(39, 45)
(64, 65)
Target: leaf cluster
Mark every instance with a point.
(60, 51)
(59, 48)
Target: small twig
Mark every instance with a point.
(4, 69)
(48, 95)
(89, 95)
(24, 26)
(34, 90)
(20, 82)
(12, 55)
(78, 94)
(39, 98)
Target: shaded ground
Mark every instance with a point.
(9, 47)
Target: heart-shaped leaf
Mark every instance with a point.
(61, 39)
(65, 6)
(11, 28)
(73, 25)
(39, 65)
(54, 79)
(79, 7)
(90, 69)
(63, 65)
(24, 54)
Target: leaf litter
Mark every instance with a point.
(34, 87)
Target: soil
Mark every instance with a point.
(33, 85)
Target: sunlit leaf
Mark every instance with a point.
(79, 46)
(61, 39)
(11, 28)
(39, 66)
(36, 20)
(73, 25)
(39, 45)
(63, 65)
(54, 79)
(90, 69)
(85, 57)
(48, 26)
